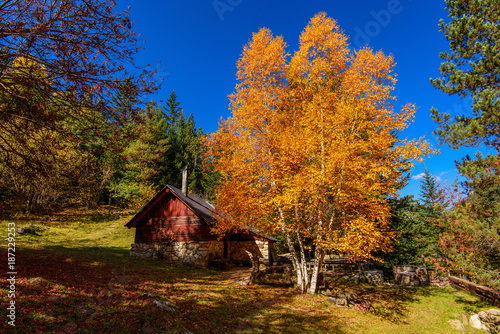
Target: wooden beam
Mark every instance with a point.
(482, 292)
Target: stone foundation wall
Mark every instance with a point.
(196, 253)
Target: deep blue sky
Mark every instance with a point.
(199, 41)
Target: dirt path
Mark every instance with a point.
(240, 275)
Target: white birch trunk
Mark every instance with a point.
(303, 265)
(319, 255)
(295, 261)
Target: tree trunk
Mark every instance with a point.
(297, 265)
(301, 274)
(319, 255)
(303, 265)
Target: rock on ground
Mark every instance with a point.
(166, 305)
(475, 321)
(490, 320)
(457, 324)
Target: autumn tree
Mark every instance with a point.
(82, 48)
(469, 243)
(310, 150)
(32, 143)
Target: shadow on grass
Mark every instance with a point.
(262, 309)
(101, 289)
(391, 303)
(470, 304)
(102, 217)
(91, 290)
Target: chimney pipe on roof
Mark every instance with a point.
(184, 180)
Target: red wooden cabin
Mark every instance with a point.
(176, 226)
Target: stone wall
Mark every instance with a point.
(196, 253)
(239, 251)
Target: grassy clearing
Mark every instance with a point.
(77, 276)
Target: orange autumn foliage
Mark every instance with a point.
(311, 148)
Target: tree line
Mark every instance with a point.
(120, 163)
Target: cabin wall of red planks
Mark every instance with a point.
(176, 221)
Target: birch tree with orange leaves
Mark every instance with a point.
(311, 150)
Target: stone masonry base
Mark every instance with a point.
(199, 253)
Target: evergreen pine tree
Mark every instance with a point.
(173, 109)
(142, 157)
(406, 249)
(185, 150)
(428, 189)
(482, 186)
(426, 231)
(472, 68)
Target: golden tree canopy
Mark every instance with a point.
(311, 148)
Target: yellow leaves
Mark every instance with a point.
(310, 144)
(23, 63)
(28, 69)
(323, 50)
(262, 60)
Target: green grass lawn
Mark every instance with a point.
(77, 277)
